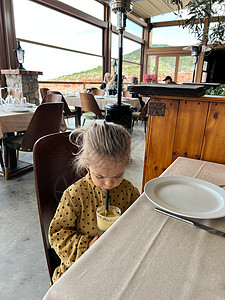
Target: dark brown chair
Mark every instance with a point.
(89, 107)
(52, 98)
(98, 92)
(141, 116)
(53, 173)
(44, 92)
(46, 119)
(69, 112)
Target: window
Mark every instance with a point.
(60, 64)
(151, 64)
(55, 28)
(166, 67)
(164, 17)
(171, 16)
(131, 50)
(185, 69)
(172, 36)
(90, 7)
(131, 27)
(131, 56)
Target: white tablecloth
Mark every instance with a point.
(102, 101)
(146, 255)
(14, 121)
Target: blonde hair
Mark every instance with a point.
(111, 82)
(105, 76)
(98, 142)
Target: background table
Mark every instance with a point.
(147, 255)
(75, 101)
(14, 121)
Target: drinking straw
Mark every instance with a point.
(107, 200)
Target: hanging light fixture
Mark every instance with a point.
(19, 55)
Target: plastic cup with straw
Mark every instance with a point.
(106, 215)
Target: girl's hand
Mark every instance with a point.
(92, 241)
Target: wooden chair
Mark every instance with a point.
(52, 98)
(98, 92)
(44, 92)
(141, 116)
(89, 107)
(127, 94)
(53, 173)
(46, 119)
(68, 112)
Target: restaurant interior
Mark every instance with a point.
(166, 63)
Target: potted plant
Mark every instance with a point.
(150, 78)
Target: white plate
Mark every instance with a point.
(187, 196)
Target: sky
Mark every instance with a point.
(51, 27)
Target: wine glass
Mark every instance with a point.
(2, 101)
(16, 100)
(9, 98)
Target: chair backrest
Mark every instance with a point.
(98, 92)
(127, 94)
(53, 173)
(44, 92)
(144, 111)
(46, 119)
(66, 107)
(52, 98)
(88, 103)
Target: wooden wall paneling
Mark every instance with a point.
(10, 34)
(214, 139)
(160, 138)
(190, 129)
(144, 57)
(7, 37)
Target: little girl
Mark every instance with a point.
(105, 153)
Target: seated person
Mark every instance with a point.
(168, 80)
(112, 85)
(134, 80)
(107, 78)
(105, 153)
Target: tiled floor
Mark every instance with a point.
(23, 271)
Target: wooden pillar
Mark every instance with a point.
(7, 37)
(144, 48)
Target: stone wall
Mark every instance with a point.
(26, 81)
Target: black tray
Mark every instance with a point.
(168, 89)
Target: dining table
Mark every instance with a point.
(12, 121)
(17, 120)
(148, 255)
(74, 100)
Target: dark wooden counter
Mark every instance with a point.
(191, 127)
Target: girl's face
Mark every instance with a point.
(108, 175)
